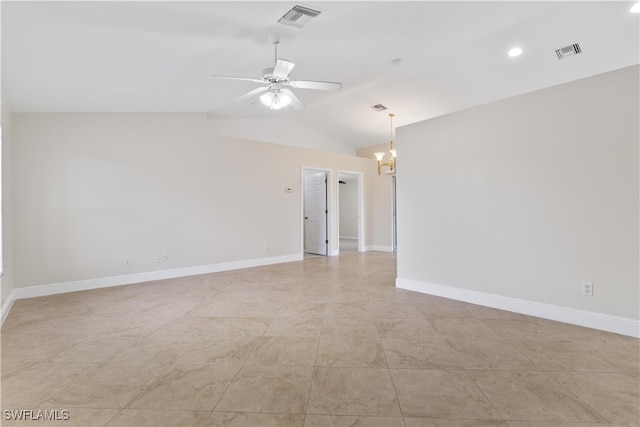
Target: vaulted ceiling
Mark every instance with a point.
(420, 59)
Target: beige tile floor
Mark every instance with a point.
(321, 342)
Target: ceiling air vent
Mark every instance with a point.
(378, 107)
(570, 50)
(299, 16)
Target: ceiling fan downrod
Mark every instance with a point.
(275, 39)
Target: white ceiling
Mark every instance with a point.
(158, 56)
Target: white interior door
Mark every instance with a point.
(315, 213)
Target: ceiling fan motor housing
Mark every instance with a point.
(267, 74)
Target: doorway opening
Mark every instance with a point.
(350, 212)
(315, 221)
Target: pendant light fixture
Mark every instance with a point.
(380, 155)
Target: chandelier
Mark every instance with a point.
(380, 155)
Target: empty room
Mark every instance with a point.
(331, 213)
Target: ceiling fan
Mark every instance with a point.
(276, 93)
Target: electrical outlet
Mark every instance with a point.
(587, 288)
(157, 258)
(127, 261)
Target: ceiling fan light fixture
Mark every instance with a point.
(285, 100)
(267, 99)
(275, 101)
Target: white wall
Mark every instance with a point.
(7, 209)
(278, 131)
(525, 199)
(94, 188)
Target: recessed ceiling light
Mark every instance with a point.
(516, 51)
(635, 8)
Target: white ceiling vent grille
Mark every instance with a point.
(378, 107)
(567, 51)
(299, 16)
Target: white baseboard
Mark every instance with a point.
(6, 307)
(105, 282)
(378, 248)
(604, 322)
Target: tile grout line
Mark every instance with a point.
(315, 363)
(384, 353)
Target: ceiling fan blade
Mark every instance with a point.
(238, 78)
(283, 68)
(252, 94)
(308, 84)
(296, 104)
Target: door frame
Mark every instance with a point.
(360, 201)
(330, 216)
(394, 214)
